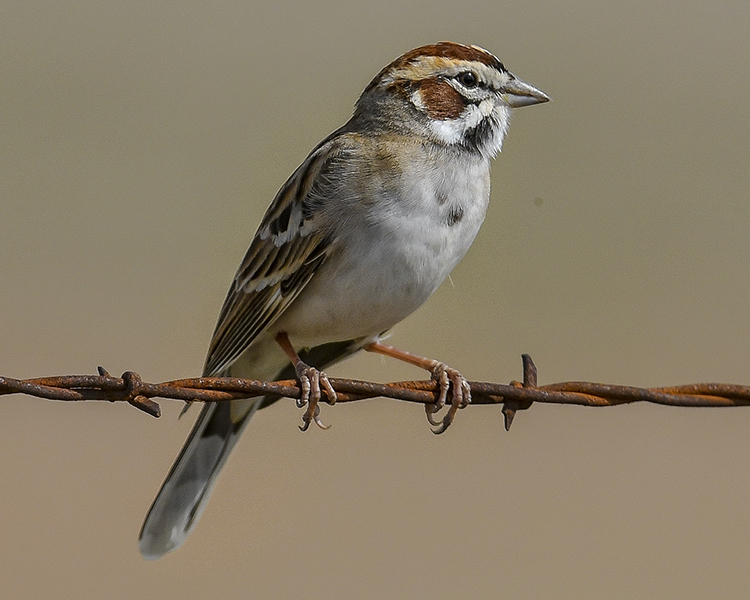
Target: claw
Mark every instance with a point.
(441, 426)
(310, 380)
(447, 419)
(431, 409)
(308, 418)
(318, 422)
(449, 379)
(312, 414)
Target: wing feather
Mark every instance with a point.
(287, 250)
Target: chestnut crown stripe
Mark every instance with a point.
(449, 50)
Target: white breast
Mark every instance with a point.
(394, 251)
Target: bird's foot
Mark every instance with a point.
(451, 381)
(312, 382)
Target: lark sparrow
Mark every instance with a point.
(362, 233)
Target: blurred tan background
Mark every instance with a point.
(140, 144)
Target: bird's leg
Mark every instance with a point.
(310, 380)
(448, 378)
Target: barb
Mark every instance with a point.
(514, 396)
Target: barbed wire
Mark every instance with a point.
(514, 396)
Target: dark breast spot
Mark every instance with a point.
(455, 215)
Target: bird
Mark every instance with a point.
(359, 236)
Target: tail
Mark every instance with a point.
(185, 491)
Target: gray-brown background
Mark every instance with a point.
(139, 146)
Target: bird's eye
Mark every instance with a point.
(467, 79)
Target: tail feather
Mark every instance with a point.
(187, 487)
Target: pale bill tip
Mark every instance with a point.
(518, 93)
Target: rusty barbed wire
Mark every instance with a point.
(514, 396)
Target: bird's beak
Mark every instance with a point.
(517, 93)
